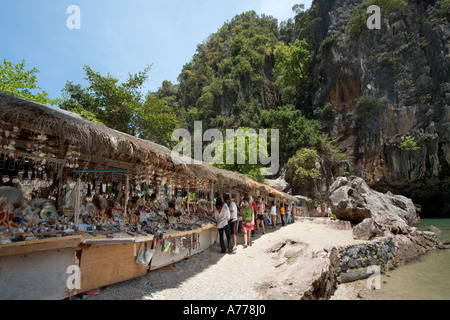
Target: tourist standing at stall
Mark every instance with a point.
(222, 216)
(273, 215)
(282, 213)
(294, 209)
(260, 207)
(233, 219)
(248, 215)
(288, 218)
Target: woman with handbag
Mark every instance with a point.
(248, 224)
(222, 216)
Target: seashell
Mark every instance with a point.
(69, 153)
(42, 137)
(11, 148)
(7, 133)
(15, 129)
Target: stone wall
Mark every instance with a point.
(379, 252)
(385, 252)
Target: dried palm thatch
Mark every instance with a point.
(104, 142)
(69, 127)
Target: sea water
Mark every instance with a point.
(427, 278)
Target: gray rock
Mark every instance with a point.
(352, 199)
(366, 230)
(434, 229)
(351, 263)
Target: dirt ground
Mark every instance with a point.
(212, 275)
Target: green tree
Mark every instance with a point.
(157, 119)
(409, 144)
(303, 167)
(122, 106)
(292, 63)
(16, 81)
(251, 170)
(105, 100)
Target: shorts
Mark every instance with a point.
(252, 225)
(233, 226)
(260, 217)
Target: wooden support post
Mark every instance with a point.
(212, 196)
(188, 195)
(127, 194)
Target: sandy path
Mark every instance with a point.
(213, 275)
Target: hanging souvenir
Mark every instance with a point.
(25, 169)
(6, 167)
(89, 193)
(33, 171)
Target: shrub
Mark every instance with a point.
(409, 144)
(366, 106)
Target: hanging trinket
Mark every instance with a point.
(89, 193)
(16, 168)
(101, 188)
(6, 168)
(33, 171)
(26, 169)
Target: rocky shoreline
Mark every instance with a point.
(349, 265)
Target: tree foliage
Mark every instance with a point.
(16, 81)
(303, 166)
(251, 170)
(121, 106)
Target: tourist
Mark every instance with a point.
(273, 215)
(294, 210)
(260, 207)
(233, 219)
(248, 215)
(254, 206)
(282, 213)
(222, 216)
(288, 219)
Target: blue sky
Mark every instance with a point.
(117, 36)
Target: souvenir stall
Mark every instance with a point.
(76, 193)
(73, 192)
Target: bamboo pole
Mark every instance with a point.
(212, 196)
(127, 193)
(188, 195)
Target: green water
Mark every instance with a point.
(428, 278)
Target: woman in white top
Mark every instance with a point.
(222, 216)
(273, 215)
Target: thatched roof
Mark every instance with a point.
(107, 143)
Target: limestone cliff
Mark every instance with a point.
(406, 67)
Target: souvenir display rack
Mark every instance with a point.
(75, 191)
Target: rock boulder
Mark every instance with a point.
(366, 230)
(353, 200)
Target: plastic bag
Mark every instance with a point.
(145, 255)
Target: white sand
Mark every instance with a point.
(213, 275)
